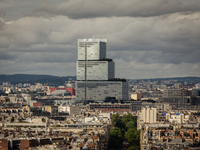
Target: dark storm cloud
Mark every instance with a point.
(77, 9)
(165, 40)
(158, 57)
(2, 12)
(7, 56)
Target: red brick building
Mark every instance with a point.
(3, 144)
(27, 143)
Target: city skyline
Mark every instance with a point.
(146, 39)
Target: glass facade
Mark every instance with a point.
(99, 90)
(96, 70)
(96, 49)
(99, 70)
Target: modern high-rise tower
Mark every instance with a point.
(97, 66)
(96, 73)
(96, 49)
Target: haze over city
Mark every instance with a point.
(146, 39)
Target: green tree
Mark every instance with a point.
(131, 124)
(12, 119)
(133, 136)
(43, 120)
(118, 135)
(133, 147)
(128, 117)
(116, 138)
(116, 121)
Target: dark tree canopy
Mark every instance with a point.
(133, 137)
(116, 137)
(43, 120)
(116, 121)
(124, 129)
(133, 147)
(12, 119)
(131, 124)
(128, 117)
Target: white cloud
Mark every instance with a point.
(142, 47)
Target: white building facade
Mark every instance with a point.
(146, 115)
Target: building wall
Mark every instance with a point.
(58, 140)
(48, 108)
(106, 115)
(195, 92)
(44, 141)
(178, 85)
(186, 93)
(136, 96)
(197, 85)
(136, 106)
(162, 106)
(96, 70)
(3, 144)
(125, 95)
(180, 118)
(99, 90)
(146, 115)
(96, 49)
(26, 124)
(108, 107)
(172, 92)
(27, 143)
(74, 110)
(37, 104)
(52, 109)
(13, 99)
(176, 101)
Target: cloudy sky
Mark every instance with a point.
(146, 38)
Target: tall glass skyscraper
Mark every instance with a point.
(96, 49)
(98, 71)
(97, 66)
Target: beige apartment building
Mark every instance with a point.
(146, 115)
(52, 109)
(136, 96)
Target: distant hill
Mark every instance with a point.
(56, 80)
(179, 79)
(33, 78)
(172, 78)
